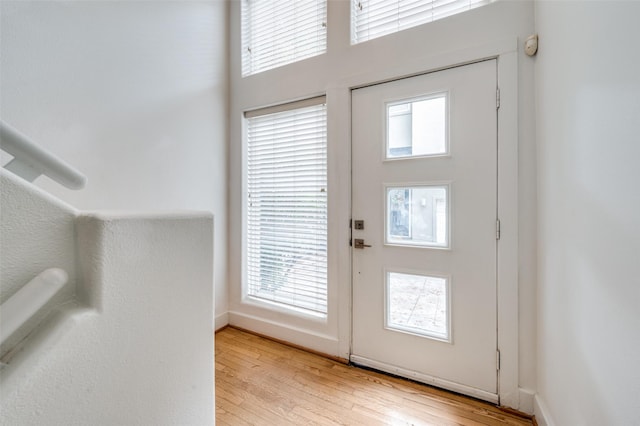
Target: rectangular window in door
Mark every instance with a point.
(417, 215)
(418, 304)
(417, 127)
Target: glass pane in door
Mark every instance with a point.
(417, 216)
(417, 127)
(418, 304)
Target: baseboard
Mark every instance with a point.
(541, 412)
(221, 321)
(525, 400)
(291, 345)
(307, 339)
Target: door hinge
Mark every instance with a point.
(498, 360)
(497, 229)
(498, 98)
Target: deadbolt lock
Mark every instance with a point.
(358, 224)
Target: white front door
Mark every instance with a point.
(424, 232)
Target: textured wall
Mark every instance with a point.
(146, 357)
(36, 233)
(132, 93)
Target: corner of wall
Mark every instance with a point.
(221, 321)
(526, 400)
(541, 412)
(89, 230)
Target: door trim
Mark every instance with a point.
(339, 129)
(507, 286)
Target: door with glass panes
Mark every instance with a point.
(424, 202)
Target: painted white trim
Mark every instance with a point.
(339, 178)
(525, 404)
(315, 341)
(427, 379)
(264, 312)
(507, 268)
(434, 63)
(339, 131)
(541, 412)
(288, 106)
(221, 320)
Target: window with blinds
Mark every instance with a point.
(287, 205)
(279, 32)
(375, 18)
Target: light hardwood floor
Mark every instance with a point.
(261, 382)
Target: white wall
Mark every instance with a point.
(384, 58)
(37, 232)
(143, 354)
(588, 107)
(133, 93)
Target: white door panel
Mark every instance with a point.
(433, 253)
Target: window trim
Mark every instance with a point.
(274, 109)
(278, 45)
(246, 297)
(387, 16)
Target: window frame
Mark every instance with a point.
(246, 293)
(400, 18)
(271, 56)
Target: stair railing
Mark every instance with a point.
(17, 309)
(30, 160)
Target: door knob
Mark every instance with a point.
(359, 243)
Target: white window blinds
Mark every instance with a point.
(278, 32)
(287, 206)
(374, 18)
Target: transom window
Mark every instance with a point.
(375, 18)
(279, 32)
(286, 215)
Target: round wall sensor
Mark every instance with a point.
(531, 45)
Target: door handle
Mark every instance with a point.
(359, 243)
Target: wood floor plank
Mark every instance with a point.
(262, 382)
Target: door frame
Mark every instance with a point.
(339, 129)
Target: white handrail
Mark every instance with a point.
(31, 161)
(17, 310)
